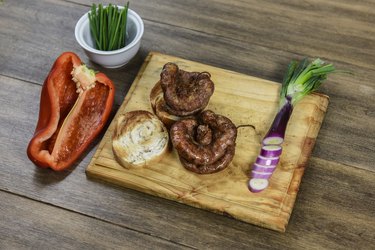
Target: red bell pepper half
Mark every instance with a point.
(75, 105)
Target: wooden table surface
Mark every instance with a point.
(335, 206)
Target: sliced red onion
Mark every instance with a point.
(267, 161)
(260, 175)
(275, 135)
(273, 140)
(256, 185)
(271, 150)
(263, 168)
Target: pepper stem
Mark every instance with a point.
(83, 77)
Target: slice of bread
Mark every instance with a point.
(159, 106)
(139, 139)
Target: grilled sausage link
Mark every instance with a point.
(206, 144)
(185, 92)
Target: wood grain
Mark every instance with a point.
(53, 228)
(244, 56)
(311, 224)
(252, 101)
(334, 207)
(342, 25)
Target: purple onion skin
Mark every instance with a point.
(267, 161)
(280, 122)
(270, 153)
(256, 189)
(253, 190)
(261, 175)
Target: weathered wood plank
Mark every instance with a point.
(347, 135)
(225, 192)
(333, 207)
(333, 199)
(339, 30)
(21, 39)
(28, 224)
(31, 42)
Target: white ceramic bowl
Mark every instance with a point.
(114, 58)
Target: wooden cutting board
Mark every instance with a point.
(246, 100)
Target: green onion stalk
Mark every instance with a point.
(108, 26)
(300, 80)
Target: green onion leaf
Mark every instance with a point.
(108, 26)
(303, 78)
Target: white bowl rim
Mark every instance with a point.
(136, 39)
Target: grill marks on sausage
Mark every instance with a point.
(217, 166)
(206, 144)
(185, 93)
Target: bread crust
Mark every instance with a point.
(139, 139)
(159, 106)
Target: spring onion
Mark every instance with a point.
(301, 79)
(260, 175)
(108, 26)
(270, 151)
(258, 184)
(263, 168)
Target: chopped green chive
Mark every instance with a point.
(108, 26)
